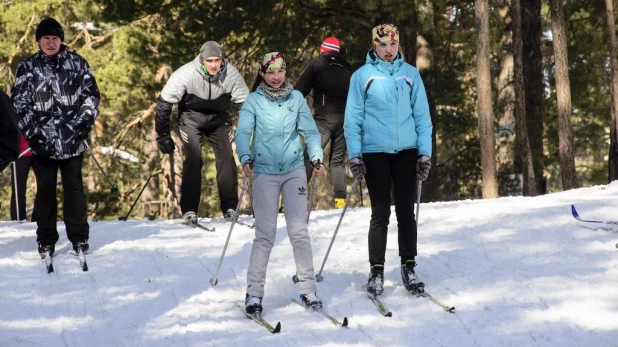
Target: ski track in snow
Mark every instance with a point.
(520, 272)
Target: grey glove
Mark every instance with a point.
(423, 164)
(357, 166)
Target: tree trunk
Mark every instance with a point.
(613, 148)
(152, 208)
(485, 112)
(532, 61)
(563, 95)
(424, 62)
(507, 162)
(523, 146)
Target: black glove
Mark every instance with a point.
(423, 164)
(166, 144)
(81, 133)
(36, 142)
(358, 168)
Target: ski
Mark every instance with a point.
(450, 309)
(259, 320)
(383, 310)
(48, 261)
(576, 216)
(335, 322)
(249, 225)
(198, 225)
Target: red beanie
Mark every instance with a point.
(330, 44)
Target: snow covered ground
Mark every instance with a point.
(520, 272)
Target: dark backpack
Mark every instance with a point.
(331, 82)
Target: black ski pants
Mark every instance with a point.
(21, 168)
(330, 127)
(398, 169)
(45, 203)
(218, 132)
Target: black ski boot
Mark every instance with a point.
(253, 304)
(45, 250)
(81, 245)
(311, 300)
(410, 279)
(375, 284)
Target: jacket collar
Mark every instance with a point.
(197, 65)
(384, 66)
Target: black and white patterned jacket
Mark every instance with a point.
(53, 96)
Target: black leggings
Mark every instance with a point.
(384, 169)
(192, 133)
(45, 204)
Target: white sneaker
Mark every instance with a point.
(311, 300)
(190, 218)
(253, 304)
(230, 215)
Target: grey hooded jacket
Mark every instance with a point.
(199, 95)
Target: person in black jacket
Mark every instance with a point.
(9, 133)
(329, 77)
(56, 98)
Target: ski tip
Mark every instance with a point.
(388, 314)
(574, 211)
(451, 310)
(277, 328)
(345, 322)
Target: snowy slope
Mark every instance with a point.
(520, 271)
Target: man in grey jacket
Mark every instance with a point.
(204, 89)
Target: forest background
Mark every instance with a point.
(520, 91)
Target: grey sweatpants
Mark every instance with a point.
(266, 189)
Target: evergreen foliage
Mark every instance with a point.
(134, 45)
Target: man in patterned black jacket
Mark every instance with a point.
(56, 99)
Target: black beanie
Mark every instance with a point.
(49, 27)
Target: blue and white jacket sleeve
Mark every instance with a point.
(354, 116)
(244, 130)
(422, 117)
(308, 129)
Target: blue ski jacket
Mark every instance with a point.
(270, 131)
(387, 109)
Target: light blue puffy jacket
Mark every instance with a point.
(269, 132)
(387, 109)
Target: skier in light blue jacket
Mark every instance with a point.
(268, 144)
(388, 134)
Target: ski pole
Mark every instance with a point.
(15, 181)
(24, 153)
(16, 191)
(113, 187)
(360, 189)
(143, 188)
(312, 197)
(419, 183)
(319, 277)
(214, 280)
